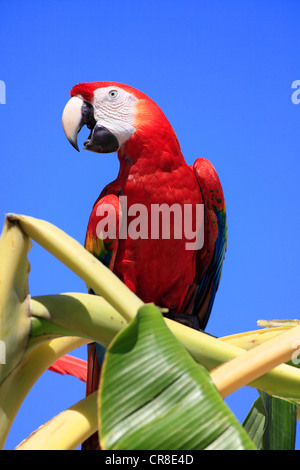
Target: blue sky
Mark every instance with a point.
(222, 72)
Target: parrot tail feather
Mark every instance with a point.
(70, 365)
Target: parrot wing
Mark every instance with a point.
(103, 228)
(211, 256)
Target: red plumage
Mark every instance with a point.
(70, 365)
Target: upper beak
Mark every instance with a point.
(76, 114)
(72, 120)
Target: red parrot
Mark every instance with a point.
(153, 172)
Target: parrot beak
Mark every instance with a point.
(78, 113)
(72, 120)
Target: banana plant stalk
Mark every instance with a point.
(87, 318)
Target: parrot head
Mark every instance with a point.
(115, 114)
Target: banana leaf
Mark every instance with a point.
(153, 395)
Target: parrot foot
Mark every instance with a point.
(186, 319)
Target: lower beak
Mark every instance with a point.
(101, 140)
(78, 113)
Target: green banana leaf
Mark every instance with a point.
(255, 421)
(153, 395)
(281, 419)
(271, 423)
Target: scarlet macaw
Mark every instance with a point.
(152, 171)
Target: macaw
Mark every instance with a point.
(183, 282)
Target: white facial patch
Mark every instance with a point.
(114, 109)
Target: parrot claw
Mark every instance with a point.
(187, 319)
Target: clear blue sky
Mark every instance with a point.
(222, 73)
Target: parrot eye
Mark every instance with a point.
(113, 94)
